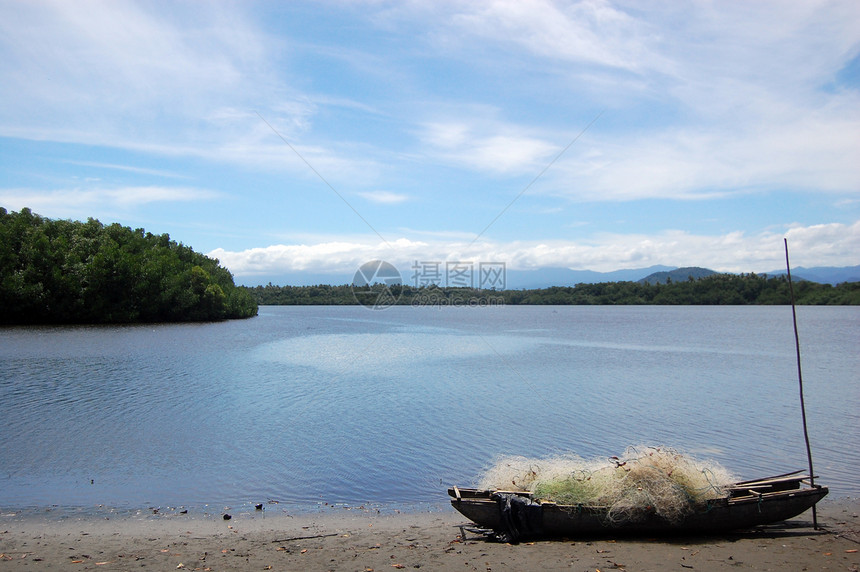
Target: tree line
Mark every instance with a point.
(63, 271)
(717, 289)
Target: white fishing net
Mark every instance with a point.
(643, 480)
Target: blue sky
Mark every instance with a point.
(310, 137)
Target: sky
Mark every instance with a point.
(289, 138)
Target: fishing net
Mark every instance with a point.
(642, 481)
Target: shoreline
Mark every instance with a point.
(365, 540)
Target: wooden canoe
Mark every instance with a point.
(747, 504)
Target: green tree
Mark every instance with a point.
(59, 271)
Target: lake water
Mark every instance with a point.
(348, 406)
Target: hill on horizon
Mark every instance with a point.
(678, 275)
(823, 274)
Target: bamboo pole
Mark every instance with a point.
(800, 382)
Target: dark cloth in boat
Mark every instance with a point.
(521, 516)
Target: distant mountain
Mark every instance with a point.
(546, 277)
(823, 274)
(678, 275)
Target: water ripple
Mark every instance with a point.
(341, 405)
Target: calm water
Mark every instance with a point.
(313, 405)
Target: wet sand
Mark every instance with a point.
(360, 540)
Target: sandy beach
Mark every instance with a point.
(361, 540)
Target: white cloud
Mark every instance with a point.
(128, 168)
(86, 201)
(325, 257)
(593, 32)
(812, 153)
(750, 86)
(184, 82)
(818, 245)
(486, 145)
(384, 197)
(107, 60)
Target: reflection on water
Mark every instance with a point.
(309, 405)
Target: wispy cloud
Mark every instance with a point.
(117, 57)
(488, 146)
(128, 168)
(180, 83)
(189, 84)
(813, 153)
(384, 197)
(749, 88)
(75, 202)
(594, 32)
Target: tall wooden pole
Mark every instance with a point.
(800, 382)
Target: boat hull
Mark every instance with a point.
(720, 515)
